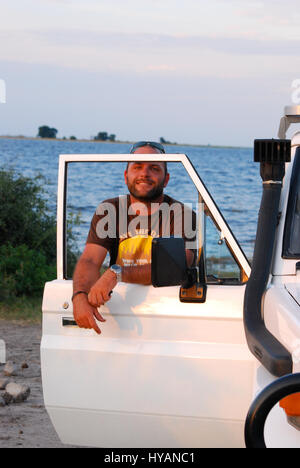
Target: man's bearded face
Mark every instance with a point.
(146, 180)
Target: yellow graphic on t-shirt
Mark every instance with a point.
(135, 251)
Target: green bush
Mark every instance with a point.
(28, 236)
(23, 271)
(24, 214)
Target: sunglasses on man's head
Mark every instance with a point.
(153, 144)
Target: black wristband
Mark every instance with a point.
(79, 292)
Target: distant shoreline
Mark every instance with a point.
(82, 140)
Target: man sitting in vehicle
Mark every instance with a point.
(124, 227)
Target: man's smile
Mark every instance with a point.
(144, 182)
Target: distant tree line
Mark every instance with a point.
(48, 132)
(166, 142)
(104, 136)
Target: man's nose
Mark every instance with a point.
(145, 171)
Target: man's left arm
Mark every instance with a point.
(100, 292)
(139, 274)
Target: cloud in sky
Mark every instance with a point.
(181, 61)
(191, 17)
(230, 45)
(138, 52)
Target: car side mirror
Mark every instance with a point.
(169, 268)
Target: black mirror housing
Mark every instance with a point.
(168, 267)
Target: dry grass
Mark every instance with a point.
(22, 309)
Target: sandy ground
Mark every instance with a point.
(27, 424)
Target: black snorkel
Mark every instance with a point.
(272, 156)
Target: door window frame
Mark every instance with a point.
(217, 217)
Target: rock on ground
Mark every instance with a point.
(3, 383)
(10, 369)
(16, 393)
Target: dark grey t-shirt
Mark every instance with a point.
(118, 227)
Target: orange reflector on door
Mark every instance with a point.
(291, 404)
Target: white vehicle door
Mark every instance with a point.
(163, 373)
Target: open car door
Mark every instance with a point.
(163, 373)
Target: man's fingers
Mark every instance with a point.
(107, 296)
(99, 316)
(92, 298)
(86, 318)
(93, 324)
(96, 299)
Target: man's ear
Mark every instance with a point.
(167, 178)
(125, 176)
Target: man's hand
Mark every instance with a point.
(100, 292)
(85, 314)
(86, 274)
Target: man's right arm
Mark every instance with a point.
(86, 273)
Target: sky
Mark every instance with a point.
(213, 72)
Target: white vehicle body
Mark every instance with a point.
(165, 373)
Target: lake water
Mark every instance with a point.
(229, 174)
